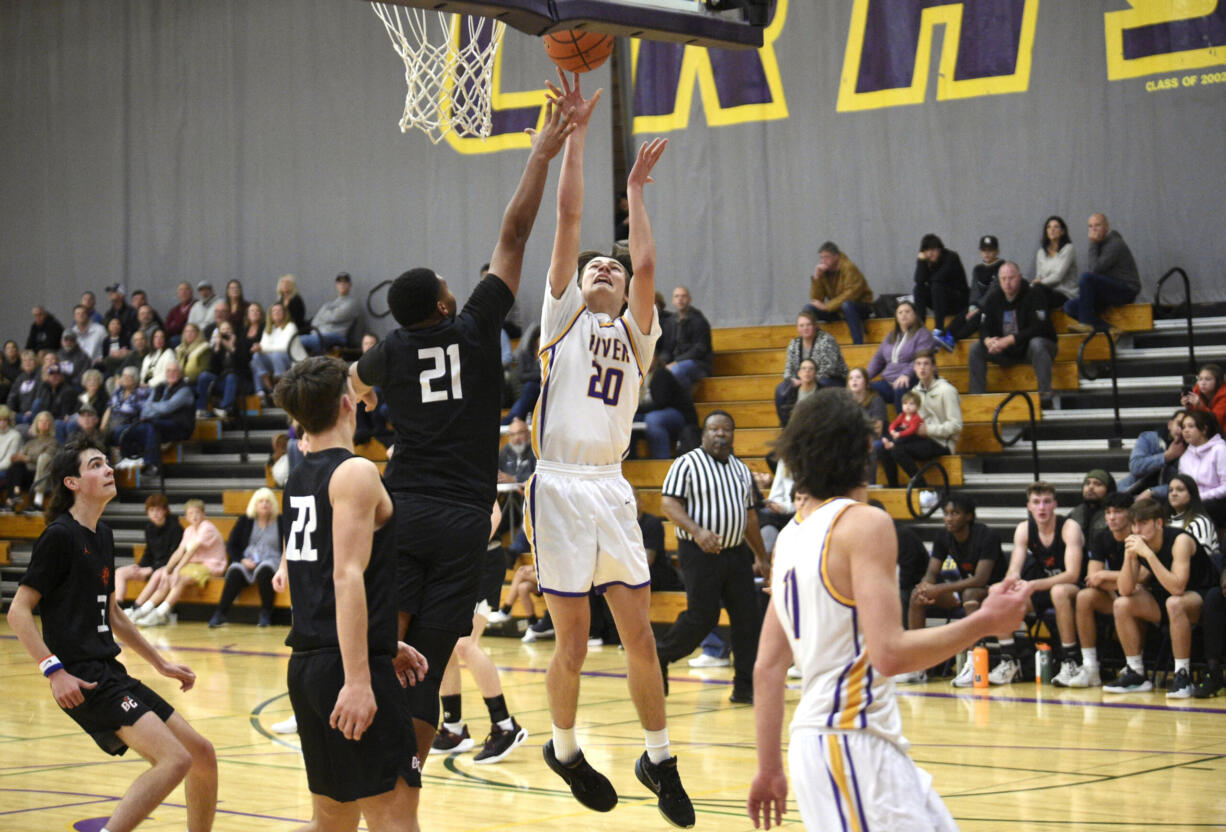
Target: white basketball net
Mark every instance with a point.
(448, 68)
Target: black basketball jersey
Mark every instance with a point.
(981, 544)
(443, 388)
(308, 555)
(1107, 549)
(74, 571)
(1201, 574)
(1044, 561)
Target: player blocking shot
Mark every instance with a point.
(598, 334)
(347, 669)
(835, 612)
(441, 376)
(71, 578)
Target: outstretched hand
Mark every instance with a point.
(1005, 606)
(552, 136)
(649, 153)
(570, 99)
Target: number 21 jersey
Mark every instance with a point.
(591, 371)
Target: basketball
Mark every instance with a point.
(578, 51)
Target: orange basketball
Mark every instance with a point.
(578, 51)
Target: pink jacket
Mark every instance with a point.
(211, 551)
(1207, 465)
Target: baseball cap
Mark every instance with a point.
(987, 241)
(202, 284)
(344, 276)
(69, 335)
(116, 287)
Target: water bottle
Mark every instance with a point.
(980, 659)
(1042, 664)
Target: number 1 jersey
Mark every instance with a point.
(592, 369)
(309, 559)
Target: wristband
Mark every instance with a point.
(50, 664)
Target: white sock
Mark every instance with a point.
(145, 608)
(38, 498)
(505, 724)
(1089, 657)
(1135, 663)
(657, 745)
(1184, 665)
(164, 608)
(565, 745)
(453, 727)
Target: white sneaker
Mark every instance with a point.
(706, 660)
(595, 642)
(1085, 677)
(966, 676)
(498, 617)
(1007, 670)
(288, 726)
(915, 677)
(794, 673)
(1068, 669)
(155, 618)
(532, 634)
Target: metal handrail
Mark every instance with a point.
(1187, 303)
(933, 465)
(1116, 441)
(1034, 441)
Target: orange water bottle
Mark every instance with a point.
(980, 659)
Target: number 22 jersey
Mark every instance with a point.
(591, 371)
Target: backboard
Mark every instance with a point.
(680, 21)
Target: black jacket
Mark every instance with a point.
(1033, 320)
(687, 338)
(240, 536)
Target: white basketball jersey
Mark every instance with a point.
(591, 371)
(840, 691)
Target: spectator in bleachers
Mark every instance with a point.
(58, 395)
(529, 369)
(162, 536)
(814, 343)
(1155, 458)
(124, 409)
(779, 508)
(1015, 329)
(523, 588)
(90, 301)
(1047, 551)
(1055, 264)
(115, 347)
(120, 309)
(220, 315)
(335, 319)
(865, 396)
(153, 365)
(667, 408)
(978, 560)
(516, 463)
(287, 296)
(201, 556)
(193, 354)
(177, 315)
(254, 549)
(45, 332)
(30, 467)
(941, 410)
(1112, 278)
(10, 368)
(147, 321)
(270, 356)
(1177, 577)
(168, 415)
(90, 335)
(93, 396)
(907, 423)
(72, 359)
(1089, 513)
(10, 443)
(23, 396)
(141, 298)
(1188, 512)
(229, 368)
(1105, 558)
(687, 350)
(1205, 461)
(135, 357)
(940, 283)
(1213, 629)
(234, 305)
(983, 283)
(893, 359)
(838, 290)
(1209, 393)
(88, 422)
(201, 313)
(253, 324)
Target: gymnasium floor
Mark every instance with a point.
(1019, 758)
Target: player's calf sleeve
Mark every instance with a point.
(436, 645)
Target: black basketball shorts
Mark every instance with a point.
(117, 702)
(441, 555)
(342, 769)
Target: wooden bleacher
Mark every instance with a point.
(210, 594)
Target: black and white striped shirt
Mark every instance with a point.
(716, 494)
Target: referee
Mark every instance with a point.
(708, 494)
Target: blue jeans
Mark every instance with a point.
(205, 386)
(270, 364)
(317, 342)
(889, 393)
(663, 428)
(1096, 292)
(146, 438)
(524, 404)
(852, 311)
(689, 372)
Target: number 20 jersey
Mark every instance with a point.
(591, 371)
(841, 690)
(309, 559)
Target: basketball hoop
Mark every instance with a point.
(448, 68)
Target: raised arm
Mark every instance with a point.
(642, 243)
(565, 257)
(508, 257)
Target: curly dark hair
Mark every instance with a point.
(67, 463)
(826, 444)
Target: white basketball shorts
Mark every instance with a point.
(583, 526)
(846, 781)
